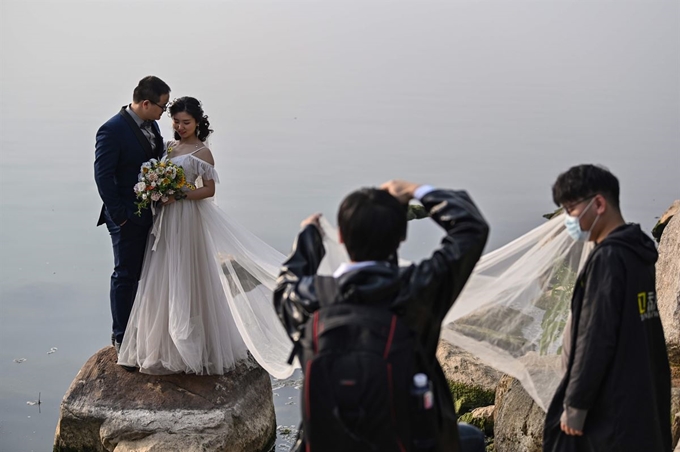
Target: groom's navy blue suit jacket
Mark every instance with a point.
(120, 151)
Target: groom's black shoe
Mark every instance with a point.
(116, 345)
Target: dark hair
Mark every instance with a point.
(193, 107)
(372, 223)
(150, 88)
(583, 181)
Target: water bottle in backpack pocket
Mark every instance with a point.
(423, 414)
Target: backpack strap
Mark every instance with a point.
(326, 290)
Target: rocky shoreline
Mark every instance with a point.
(109, 409)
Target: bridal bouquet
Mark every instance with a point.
(158, 180)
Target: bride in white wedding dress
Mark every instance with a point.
(204, 297)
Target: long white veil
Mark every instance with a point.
(511, 313)
(513, 309)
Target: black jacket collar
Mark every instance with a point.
(375, 283)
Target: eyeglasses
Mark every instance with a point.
(568, 209)
(162, 107)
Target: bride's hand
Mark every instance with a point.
(169, 201)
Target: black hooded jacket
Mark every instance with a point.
(424, 293)
(618, 368)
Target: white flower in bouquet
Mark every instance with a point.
(157, 181)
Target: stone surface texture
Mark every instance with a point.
(109, 409)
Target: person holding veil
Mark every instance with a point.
(203, 301)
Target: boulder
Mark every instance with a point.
(482, 418)
(657, 230)
(109, 409)
(462, 367)
(518, 420)
(668, 288)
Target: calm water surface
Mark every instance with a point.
(308, 101)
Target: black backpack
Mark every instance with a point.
(359, 360)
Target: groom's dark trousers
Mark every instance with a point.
(120, 151)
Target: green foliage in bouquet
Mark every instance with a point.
(158, 180)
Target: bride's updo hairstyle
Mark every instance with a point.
(193, 107)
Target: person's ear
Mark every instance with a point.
(600, 204)
(342, 242)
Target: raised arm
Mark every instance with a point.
(295, 296)
(436, 282)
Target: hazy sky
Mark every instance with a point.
(312, 99)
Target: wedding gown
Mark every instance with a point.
(205, 295)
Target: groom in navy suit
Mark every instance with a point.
(124, 142)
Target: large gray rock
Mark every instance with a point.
(518, 425)
(109, 409)
(657, 230)
(668, 287)
(482, 418)
(462, 367)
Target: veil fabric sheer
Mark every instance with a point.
(513, 309)
(511, 313)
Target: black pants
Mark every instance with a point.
(129, 243)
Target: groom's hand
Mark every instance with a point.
(400, 189)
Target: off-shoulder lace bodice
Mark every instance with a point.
(194, 167)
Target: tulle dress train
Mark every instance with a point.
(204, 297)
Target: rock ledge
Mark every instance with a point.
(109, 409)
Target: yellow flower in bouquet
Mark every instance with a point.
(158, 180)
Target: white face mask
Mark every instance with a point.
(573, 225)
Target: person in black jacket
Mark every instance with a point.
(615, 394)
(372, 224)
